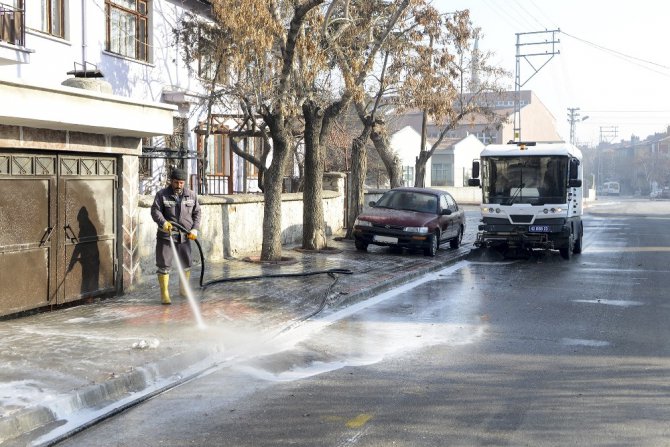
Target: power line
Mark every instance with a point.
(627, 111)
(528, 14)
(502, 12)
(551, 22)
(622, 55)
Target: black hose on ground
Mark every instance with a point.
(204, 285)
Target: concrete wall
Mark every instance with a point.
(232, 226)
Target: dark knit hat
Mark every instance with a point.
(178, 174)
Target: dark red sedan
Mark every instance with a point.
(415, 218)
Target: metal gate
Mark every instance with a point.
(57, 229)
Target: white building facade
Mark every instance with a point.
(75, 145)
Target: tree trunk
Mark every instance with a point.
(420, 168)
(379, 137)
(272, 191)
(359, 169)
(313, 225)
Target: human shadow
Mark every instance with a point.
(86, 253)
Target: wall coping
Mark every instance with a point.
(146, 201)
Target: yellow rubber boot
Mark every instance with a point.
(182, 286)
(163, 280)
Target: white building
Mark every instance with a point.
(406, 143)
(452, 161)
(74, 151)
(450, 164)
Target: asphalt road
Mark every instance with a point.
(537, 352)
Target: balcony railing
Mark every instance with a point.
(12, 25)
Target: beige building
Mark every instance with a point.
(537, 122)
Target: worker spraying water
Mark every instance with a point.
(175, 204)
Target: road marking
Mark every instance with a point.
(359, 420)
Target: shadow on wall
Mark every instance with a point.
(86, 253)
(116, 72)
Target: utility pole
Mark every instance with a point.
(550, 51)
(573, 118)
(606, 134)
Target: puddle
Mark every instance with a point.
(620, 303)
(583, 342)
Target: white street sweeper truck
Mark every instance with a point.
(531, 197)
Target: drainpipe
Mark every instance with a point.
(83, 34)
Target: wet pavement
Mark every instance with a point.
(64, 369)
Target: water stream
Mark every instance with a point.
(195, 307)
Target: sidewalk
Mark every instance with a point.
(63, 370)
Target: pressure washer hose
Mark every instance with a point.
(204, 285)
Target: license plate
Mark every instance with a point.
(539, 228)
(387, 239)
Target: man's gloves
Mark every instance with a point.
(192, 235)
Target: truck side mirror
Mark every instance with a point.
(473, 182)
(574, 183)
(574, 169)
(475, 170)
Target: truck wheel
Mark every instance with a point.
(433, 244)
(456, 242)
(566, 250)
(360, 245)
(578, 242)
(577, 249)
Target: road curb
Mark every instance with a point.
(100, 400)
(406, 277)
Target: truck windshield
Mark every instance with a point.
(536, 180)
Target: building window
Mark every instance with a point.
(127, 28)
(11, 23)
(484, 137)
(408, 175)
(439, 174)
(218, 155)
(46, 16)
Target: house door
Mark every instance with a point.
(58, 237)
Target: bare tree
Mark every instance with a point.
(437, 82)
(353, 34)
(261, 41)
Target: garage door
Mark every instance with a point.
(58, 237)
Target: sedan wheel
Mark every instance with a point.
(433, 244)
(456, 242)
(360, 245)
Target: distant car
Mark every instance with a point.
(660, 194)
(414, 218)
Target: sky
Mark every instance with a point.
(614, 61)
